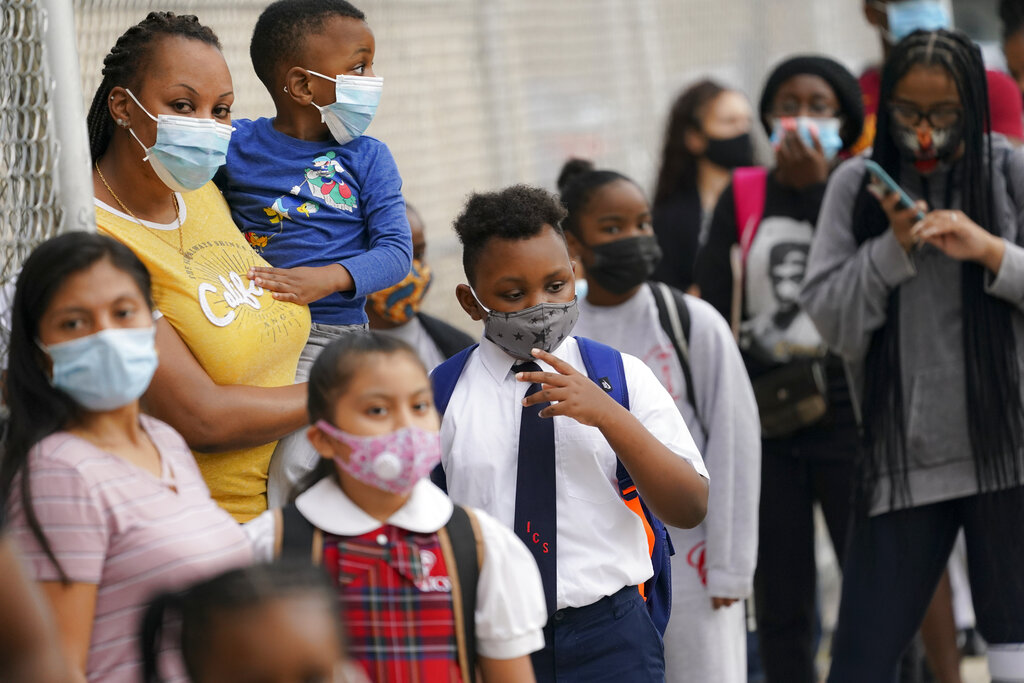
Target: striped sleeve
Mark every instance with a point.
(72, 520)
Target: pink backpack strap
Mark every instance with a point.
(748, 193)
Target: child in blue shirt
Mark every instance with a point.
(328, 213)
(316, 198)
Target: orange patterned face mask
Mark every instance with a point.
(400, 302)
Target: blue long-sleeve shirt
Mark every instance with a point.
(302, 203)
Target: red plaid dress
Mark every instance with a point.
(395, 599)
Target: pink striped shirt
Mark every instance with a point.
(113, 524)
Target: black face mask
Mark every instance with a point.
(621, 265)
(730, 152)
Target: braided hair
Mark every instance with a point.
(128, 58)
(678, 163)
(994, 414)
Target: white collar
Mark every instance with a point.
(327, 507)
(499, 364)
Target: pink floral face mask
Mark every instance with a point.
(391, 462)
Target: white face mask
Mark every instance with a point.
(188, 151)
(355, 103)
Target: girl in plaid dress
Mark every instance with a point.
(379, 529)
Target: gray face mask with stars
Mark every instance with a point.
(544, 326)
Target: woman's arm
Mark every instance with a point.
(29, 648)
(847, 286)
(670, 486)
(212, 417)
(74, 606)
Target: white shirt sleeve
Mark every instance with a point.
(510, 607)
(261, 532)
(651, 403)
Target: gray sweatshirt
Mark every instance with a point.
(846, 291)
(731, 444)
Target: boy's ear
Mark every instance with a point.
(297, 85)
(469, 303)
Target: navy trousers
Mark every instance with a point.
(611, 640)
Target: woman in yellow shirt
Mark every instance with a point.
(158, 127)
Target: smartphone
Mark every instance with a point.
(880, 177)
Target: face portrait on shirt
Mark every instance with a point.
(511, 275)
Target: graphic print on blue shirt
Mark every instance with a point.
(315, 203)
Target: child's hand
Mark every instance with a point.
(571, 394)
(719, 603)
(304, 284)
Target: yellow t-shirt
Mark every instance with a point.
(237, 331)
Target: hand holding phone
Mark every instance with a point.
(884, 185)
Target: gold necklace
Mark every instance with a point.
(177, 213)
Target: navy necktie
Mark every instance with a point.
(535, 521)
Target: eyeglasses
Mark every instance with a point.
(939, 117)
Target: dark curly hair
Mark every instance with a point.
(129, 58)
(281, 31)
(515, 213)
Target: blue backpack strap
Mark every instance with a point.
(443, 379)
(604, 366)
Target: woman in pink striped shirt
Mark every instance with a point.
(106, 504)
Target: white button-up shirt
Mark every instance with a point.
(601, 545)
(510, 608)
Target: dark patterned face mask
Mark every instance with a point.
(544, 326)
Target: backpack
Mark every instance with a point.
(604, 367)
(461, 546)
(749, 188)
(674, 316)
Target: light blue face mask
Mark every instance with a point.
(907, 16)
(827, 131)
(187, 151)
(105, 370)
(355, 104)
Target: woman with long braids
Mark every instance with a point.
(159, 127)
(929, 313)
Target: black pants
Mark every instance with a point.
(785, 583)
(894, 562)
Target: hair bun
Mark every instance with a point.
(572, 168)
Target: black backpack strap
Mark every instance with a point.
(674, 316)
(462, 545)
(297, 538)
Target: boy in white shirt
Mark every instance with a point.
(548, 470)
